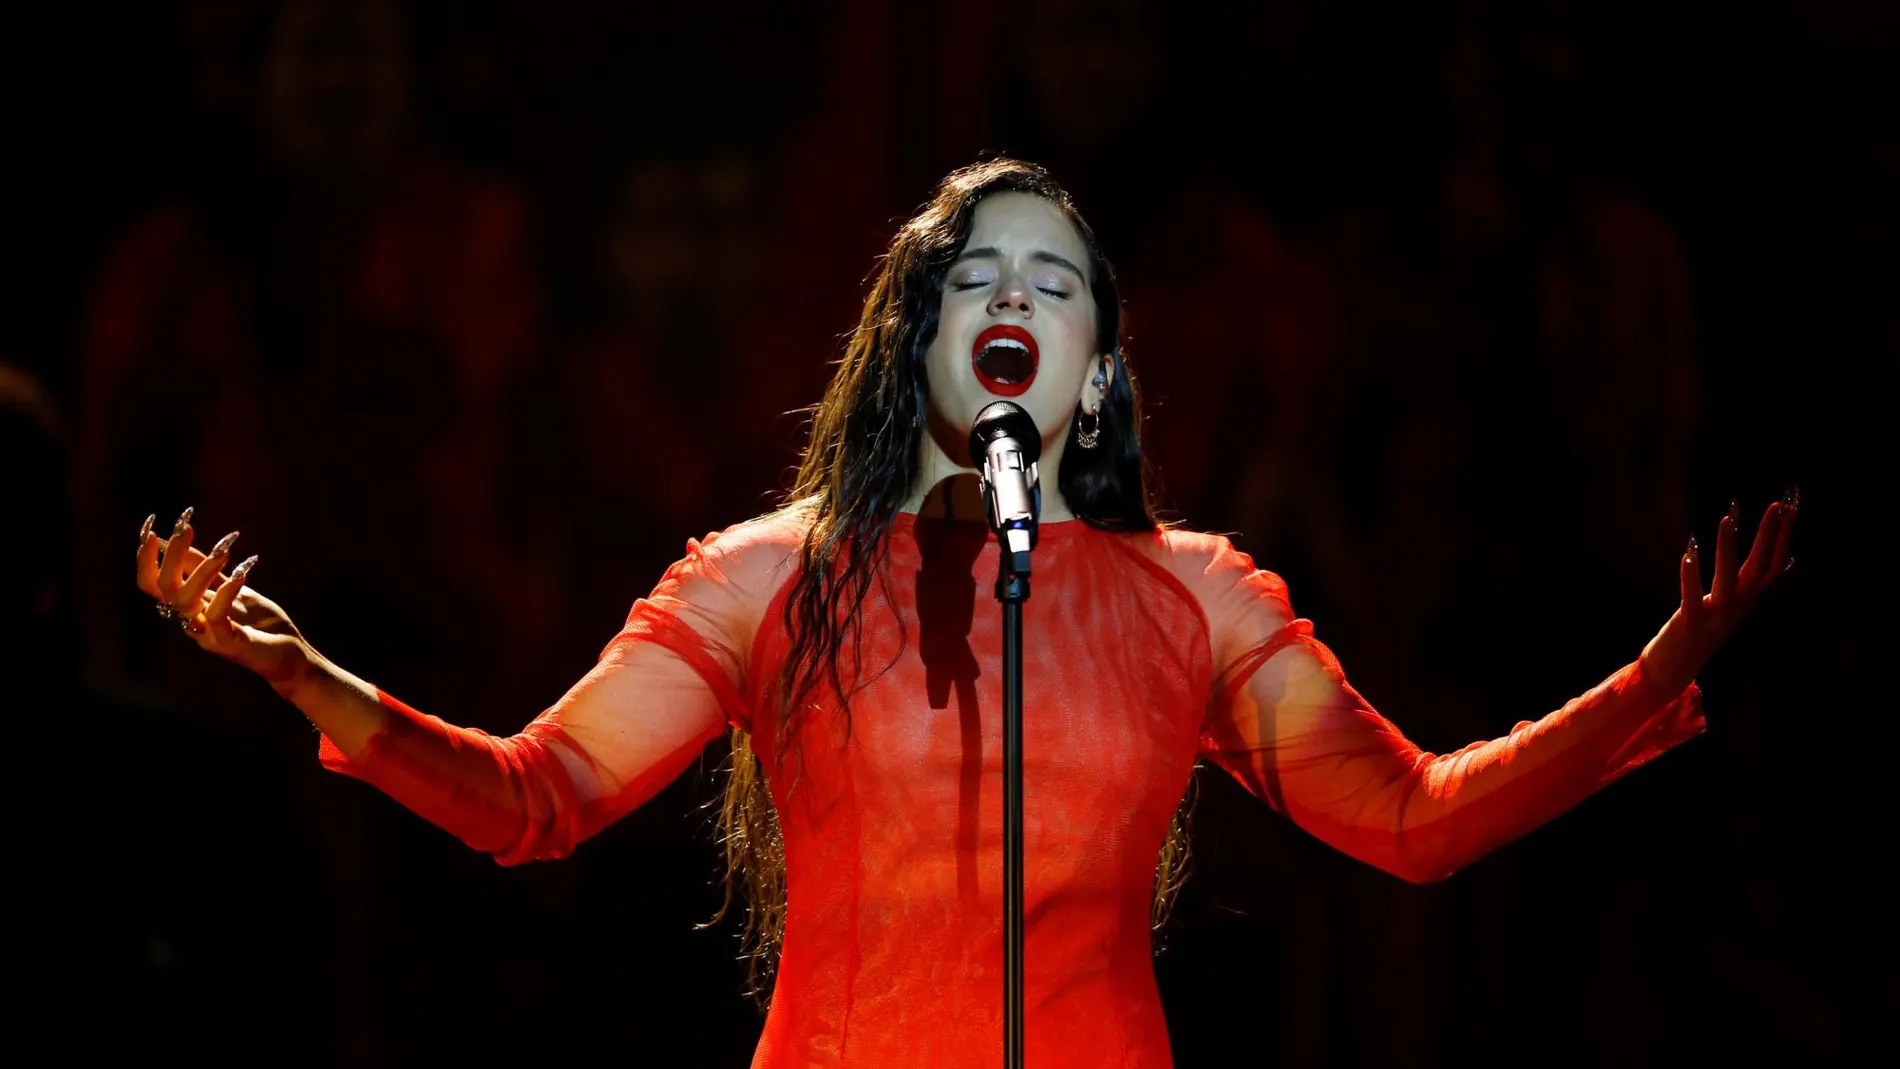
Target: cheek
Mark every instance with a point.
(948, 362)
(1068, 349)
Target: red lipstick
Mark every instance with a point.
(1005, 359)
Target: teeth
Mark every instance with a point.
(1007, 342)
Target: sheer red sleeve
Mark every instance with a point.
(1284, 722)
(664, 687)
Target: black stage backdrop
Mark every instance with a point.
(1461, 316)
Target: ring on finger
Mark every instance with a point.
(190, 625)
(168, 611)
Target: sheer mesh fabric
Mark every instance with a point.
(1143, 653)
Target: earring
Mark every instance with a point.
(1088, 438)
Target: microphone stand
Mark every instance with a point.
(1004, 447)
(1012, 589)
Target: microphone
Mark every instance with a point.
(1004, 446)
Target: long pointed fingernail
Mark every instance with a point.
(244, 569)
(145, 531)
(1788, 567)
(1791, 497)
(184, 518)
(1694, 558)
(1735, 511)
(224, 544)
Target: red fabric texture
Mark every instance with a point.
(1143, 653)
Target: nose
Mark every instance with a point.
(1013, 295)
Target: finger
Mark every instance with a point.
(221, 603)
(1784, 546)
(1689, 568)
(171, 570)
(193, 592)
(192, 557)
(148, 558)
(1760, 566)
(1723, 587)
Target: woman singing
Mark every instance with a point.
(842, 642)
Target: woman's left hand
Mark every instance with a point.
(1704, 621)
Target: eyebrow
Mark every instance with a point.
(1040, 256)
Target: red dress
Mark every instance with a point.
(1143, 653)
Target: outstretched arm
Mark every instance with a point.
(667, 684)
(1285, 722)
(1297, 735)
(618, 736)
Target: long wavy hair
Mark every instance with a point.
(858, 465)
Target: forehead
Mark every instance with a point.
(1021, 223)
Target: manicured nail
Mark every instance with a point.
(145, 531)
(1792, 497)
(1735, 511)
(184, 518)
(1788, 567)
(224, 544)
(1693, 557)
(244, 569)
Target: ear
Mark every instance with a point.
(1102, 379)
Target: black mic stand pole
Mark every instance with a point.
(1003, 447)
(1012, 589)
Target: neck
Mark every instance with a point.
(943, 488)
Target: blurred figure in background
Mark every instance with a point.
(1607, 317)
(641, 425)
(1238, 283)
(1082, 87)
(349, 306)
(681, 394)
(333, 335)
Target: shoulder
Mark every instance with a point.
(1205, 560)
(780, 531)
(1217, 575)
(758, 554)
(725, 581)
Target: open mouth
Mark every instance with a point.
(1005, 359)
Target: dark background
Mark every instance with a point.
(1460, 316)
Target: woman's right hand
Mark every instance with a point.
(232, 621)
